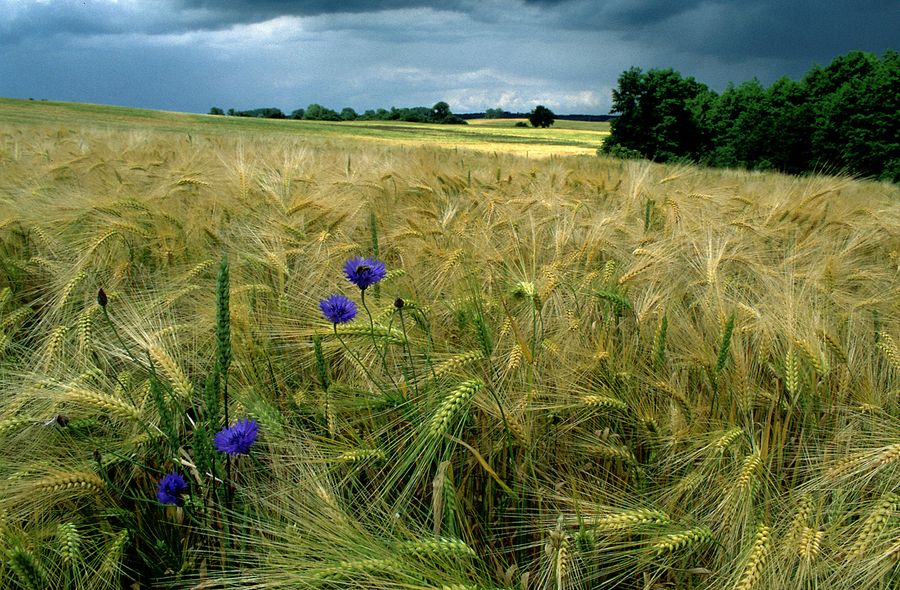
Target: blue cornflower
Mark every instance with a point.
(338, 309)
(171, 487)
(237, 439)
(364, 272)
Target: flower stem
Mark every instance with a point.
(375, 342)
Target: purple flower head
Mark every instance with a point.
(171, 487)
(237, 439)
(364, 272)
(337, 309)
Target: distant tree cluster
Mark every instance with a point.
(845, 116)
(439, 113)
(541, 116)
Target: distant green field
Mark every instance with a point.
(501, 135)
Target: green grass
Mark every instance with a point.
(566, 137)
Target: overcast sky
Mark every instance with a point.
(188, 55)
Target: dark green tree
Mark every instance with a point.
(348, 114)
(493, 113)
(736, 125)
(216, 111)
(541, 116)
(316, 112)
(656, 118)
(440, 111)
(856, 104)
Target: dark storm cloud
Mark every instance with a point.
(739, 29)
(566, 54)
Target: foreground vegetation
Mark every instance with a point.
(601, 373)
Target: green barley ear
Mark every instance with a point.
(619, 302)
(660, 355)
(322, 369)
(791, 371)
(451, 405)
(321, 366)
(69, 544)
(648, 213)
(481, 330)
(29, 572)
(223, 320)
(202, 445)
(166, 420)
(682, 540)
(445, 505)
(373, 230)
(726, 343)
(211, 393)
(111, 567)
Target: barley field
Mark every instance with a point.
(571, 372)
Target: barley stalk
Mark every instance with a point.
(608, 269)
(748, 470)
(85, 328)
(14, 424)
(602, 401)
(223, 320)
(114, 552)
(726, 344)
(659, 356)
(172, 371)
(635, 271)
(873, 525)
(791, 371)
(801, 517)
(888, 455)
(28, 570)
(832, 343)
(813, 357)
(626, 519)
(753, 567)
(78, 480)
(441, 547)
(680, 540)
(455, 400)
(810, 544)
(361, 455)
(891, 351)
(456, 361)
(104, 403)
(69, 543)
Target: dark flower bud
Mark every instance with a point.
(101, 297)
(399, 303)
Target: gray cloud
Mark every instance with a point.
(191, 54)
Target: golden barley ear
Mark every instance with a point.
(754, 565)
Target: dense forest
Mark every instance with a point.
(840, 118)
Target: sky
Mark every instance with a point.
(190, 55)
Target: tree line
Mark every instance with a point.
(439, 113)
(842, 117)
